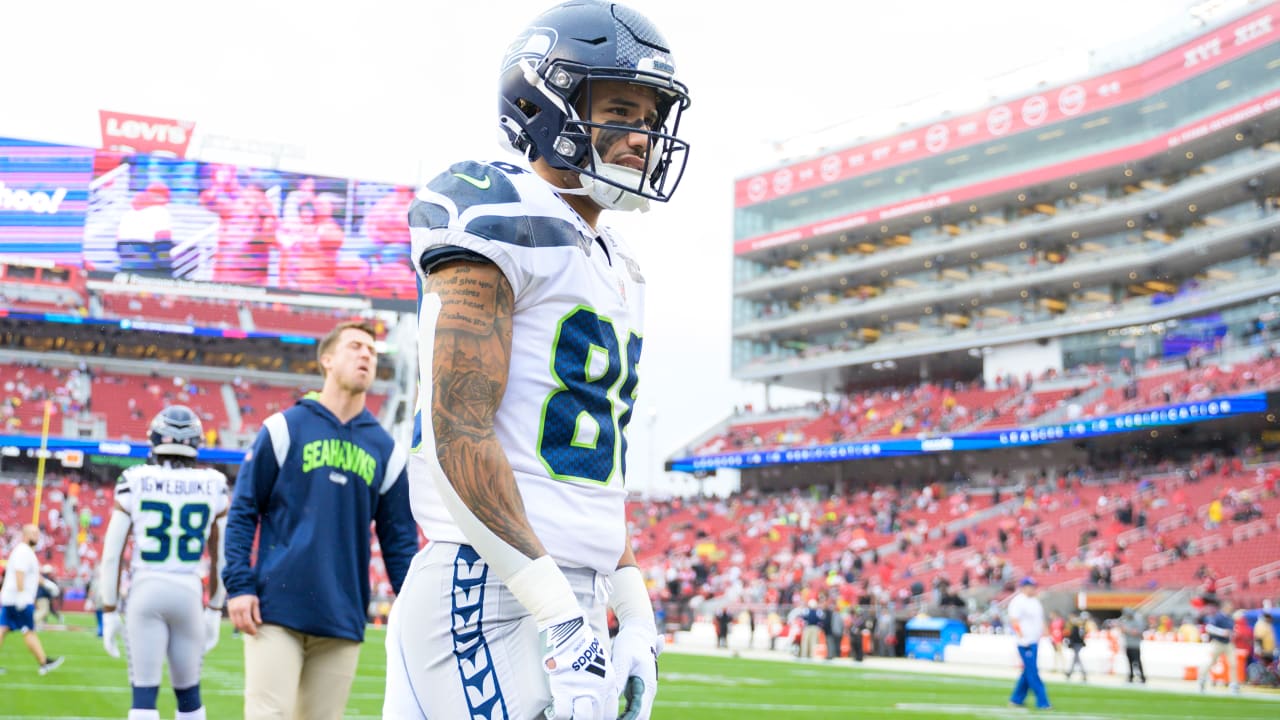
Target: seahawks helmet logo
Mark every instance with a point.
(533, 44)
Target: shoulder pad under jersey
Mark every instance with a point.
(500, 202)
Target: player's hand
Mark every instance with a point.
(244, 613)
(212, 627)
(635, 658)
(111, 627)
(580, 674)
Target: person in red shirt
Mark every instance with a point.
(144, 237)
(1242, 639)
(318, 269)
(246, 228)
(387, 225)
(1057, 632)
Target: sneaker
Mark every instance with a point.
(51, 664)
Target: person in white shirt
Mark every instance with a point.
(1026, 618)
(18, 597)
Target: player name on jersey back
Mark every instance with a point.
(172, 509)
(177, 486)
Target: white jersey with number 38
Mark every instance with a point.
(172, 509)
(579, 299)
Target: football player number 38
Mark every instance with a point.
(582, 436)
(193, 519)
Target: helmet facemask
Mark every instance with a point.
(604, 122)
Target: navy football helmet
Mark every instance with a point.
(176, 430)
(547, 76)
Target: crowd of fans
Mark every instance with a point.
(950, 406)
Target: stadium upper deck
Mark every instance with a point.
(1129, 215)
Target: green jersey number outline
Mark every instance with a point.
(581, 433)
(193, 521)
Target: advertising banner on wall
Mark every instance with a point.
(44, 192)
(1044, 107)
(169, 218)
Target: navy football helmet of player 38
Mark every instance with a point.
(176, 430)
(546, 80)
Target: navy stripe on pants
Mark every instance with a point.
(475, 664)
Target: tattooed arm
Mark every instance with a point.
(471, 358)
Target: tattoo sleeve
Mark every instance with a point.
(472, 356)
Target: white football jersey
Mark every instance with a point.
(172, 509)
(576, 337)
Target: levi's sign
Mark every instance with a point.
(123, 132)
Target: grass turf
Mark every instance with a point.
(92, 685)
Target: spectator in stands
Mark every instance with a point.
(1026, 617)
(1215, 515)
(320, 473)
(1132, 627)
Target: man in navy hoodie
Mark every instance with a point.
(319, 473)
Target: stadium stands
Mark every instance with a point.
(927, 409)
(788, 546)
(128, 402)
(288, 319)
(192, 311)
(24, 388)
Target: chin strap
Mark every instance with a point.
(606, 195)
(611, 197)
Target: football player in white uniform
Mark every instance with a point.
(175, 511)
(530, 326)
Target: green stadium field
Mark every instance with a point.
(92, 685)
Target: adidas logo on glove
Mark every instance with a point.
(591, 660)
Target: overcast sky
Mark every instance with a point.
(397, 91)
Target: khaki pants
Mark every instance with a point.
(289, 675)
(1216, 650)
(809, 637)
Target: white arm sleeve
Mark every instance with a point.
(630, 598)
(112, 549)
(218, 591)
